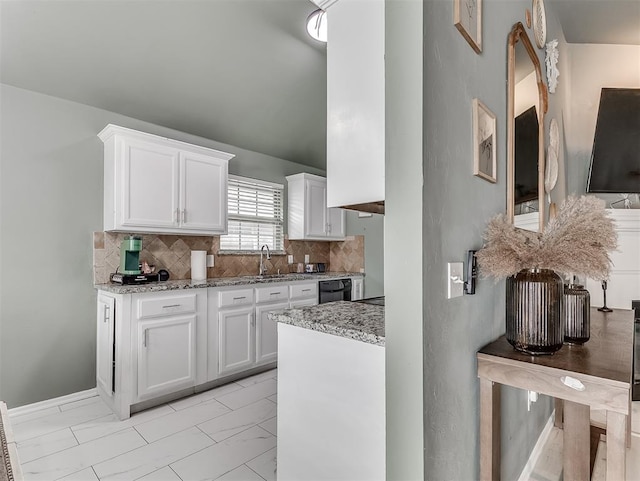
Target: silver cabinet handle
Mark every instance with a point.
(145, 338)
(275, 293)
(306, 290)
(106, 314)
(170, 306)
(177, 216)
(239, 298)
(184, 215)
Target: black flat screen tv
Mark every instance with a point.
(526, 153)
(615, 158)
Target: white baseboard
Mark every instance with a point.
(29, 408)
(537, 449)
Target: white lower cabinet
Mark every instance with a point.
(166, 355)
(104, 344)
(267, 332)
(156, 346)
(236, 335)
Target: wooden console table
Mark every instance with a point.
(595, 375)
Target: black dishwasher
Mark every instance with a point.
(335, 290)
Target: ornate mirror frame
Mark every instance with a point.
(518, 34)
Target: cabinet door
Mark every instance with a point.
(236, 339)
(104, 346)
(267, 332)
(166, 355)
(304, 302)
(315, 209)
(336, 225)
(149, 185)
(203, 193)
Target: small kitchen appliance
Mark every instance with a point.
(129, 271)
(130, 255)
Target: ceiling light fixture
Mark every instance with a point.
(317, 25)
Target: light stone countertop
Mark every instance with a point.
(220, 282)
(354, 320)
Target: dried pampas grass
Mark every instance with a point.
(577, 241)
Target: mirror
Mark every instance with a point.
(527, 104)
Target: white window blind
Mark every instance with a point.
(255, 215)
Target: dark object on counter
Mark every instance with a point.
(534, 311)
(577, 306)
(337, 290)
(604, 307)
(321, 267)
(119, 278)
(163, 275)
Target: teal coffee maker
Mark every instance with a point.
(130, 255)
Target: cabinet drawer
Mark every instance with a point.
(273, 293)
(166, 306)
(239, 297)
(301, 291)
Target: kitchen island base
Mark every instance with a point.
(331, 407)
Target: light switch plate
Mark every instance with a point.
(210, 261)
(455, 281)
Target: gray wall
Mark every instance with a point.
(403, 249)
(50, 203)
(457, 206)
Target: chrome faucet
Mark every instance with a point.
(263, 269)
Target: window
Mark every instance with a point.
(255, 215)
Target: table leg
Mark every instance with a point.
(576, 442)
(559, 403)
(616, 450)
(489, 430)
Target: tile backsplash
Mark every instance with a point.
(173, 253)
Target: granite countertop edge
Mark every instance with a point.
(361, 322)
(218, 282)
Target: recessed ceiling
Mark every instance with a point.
(599, 21)
(242, 72)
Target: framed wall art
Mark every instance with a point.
(467, 17)
(484, 142)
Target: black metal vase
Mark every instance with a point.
(535, 323)
(577, 323)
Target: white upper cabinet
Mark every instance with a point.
(355, 102)
(308, 214)
(154, 184)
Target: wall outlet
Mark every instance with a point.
(306, 258)
(455, 281)
(210, 260)
(289, 259)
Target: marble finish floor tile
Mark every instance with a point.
(110, 423)
(44, 445)
(205, 396)
(234, 422)
(249, 394)
(164, 474)
(180, 420)
(226, 433)
(84, 455)
(265, 465)
(255, 379)
(58, 420)
(219, 459)
(242, 473)
(151, 457)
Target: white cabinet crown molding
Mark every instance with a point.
(111, 130)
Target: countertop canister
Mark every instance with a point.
(198, 265)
